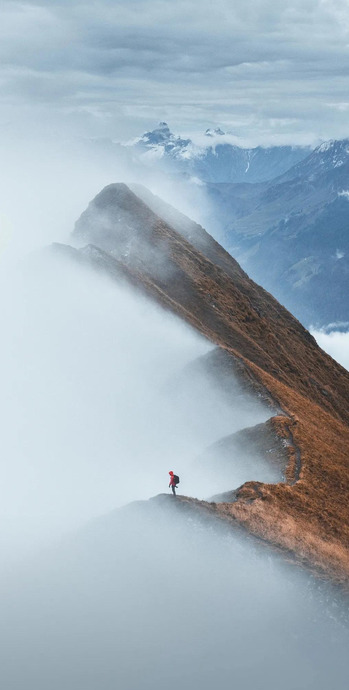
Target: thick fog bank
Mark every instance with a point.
(91, 415)
(152, 597)
(46, 183)
(95, 411)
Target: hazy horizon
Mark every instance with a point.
(264, 72)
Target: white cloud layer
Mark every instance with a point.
(115, 68)
(335, 344)
(95, 406)
(147, 599)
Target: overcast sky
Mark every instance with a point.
(259, 69)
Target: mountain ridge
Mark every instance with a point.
(287, 226)
(309, 516)
(218, 158)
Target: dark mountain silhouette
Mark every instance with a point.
(265, 346)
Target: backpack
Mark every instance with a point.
(176, 479)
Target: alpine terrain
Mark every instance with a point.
(176, 263)
(215, 158)
(282, 211)
(141, 349)
(291, 233)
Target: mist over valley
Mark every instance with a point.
(174, 345)
(104, 390)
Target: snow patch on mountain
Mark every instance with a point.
(214, 156)
(336, 153)
(326, 146)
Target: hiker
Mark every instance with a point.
(174, 480)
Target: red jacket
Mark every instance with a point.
(172, 480)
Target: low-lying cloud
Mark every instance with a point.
(336, 344)
(93, 415)
(152, 597)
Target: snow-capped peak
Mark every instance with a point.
(332, 153)
(161, 140)
(214, 132)
(214, 156)
(159, 135)
(334, 146)
(325, 146)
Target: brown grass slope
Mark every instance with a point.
(208, 289)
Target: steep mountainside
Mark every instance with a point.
(267, 348)
(292, 234)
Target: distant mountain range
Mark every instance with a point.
(292, 233)
(216, 159)
(282, 211)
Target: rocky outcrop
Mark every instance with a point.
(263, 442)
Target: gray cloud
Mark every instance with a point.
(278, 71)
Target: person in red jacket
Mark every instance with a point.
(173, 482)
